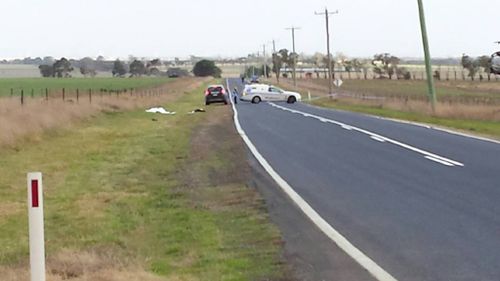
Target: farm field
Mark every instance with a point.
(135, 196)
(472, 107)
(403, 88)
(38, 85)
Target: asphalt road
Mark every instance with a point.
(423, 204)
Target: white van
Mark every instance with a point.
(256, 93)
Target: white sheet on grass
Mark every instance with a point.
(160, 110)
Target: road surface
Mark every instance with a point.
(423, 204)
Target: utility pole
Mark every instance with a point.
(274, 46)
(428, 66)
(293, 28)
(328, 54)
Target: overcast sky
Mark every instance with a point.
(169, 28)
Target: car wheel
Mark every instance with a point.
(291, 99)
(207, 103)
(256, 100)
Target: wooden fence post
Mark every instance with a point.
(90, 95)
(22, 97)
(63, 94)
(46, 94)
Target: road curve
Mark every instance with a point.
(422, 203)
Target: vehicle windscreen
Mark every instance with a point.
(215, 90)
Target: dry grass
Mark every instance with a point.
(38, 115)
(95, 265)
(443, 110)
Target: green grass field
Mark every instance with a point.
(147, 191)
(445, 89)
(38, 85)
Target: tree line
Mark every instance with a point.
(88, 67)
(385, 65)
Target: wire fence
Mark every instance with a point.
(453, 74)
(80, 95)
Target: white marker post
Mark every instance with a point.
(36, 228)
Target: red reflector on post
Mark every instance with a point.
(34, 194)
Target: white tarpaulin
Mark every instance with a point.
(159, 110)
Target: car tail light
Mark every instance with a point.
(207, 92)
(223, 91)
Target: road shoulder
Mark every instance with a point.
(311, 254)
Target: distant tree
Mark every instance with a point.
(403, 73)
(267, 72)
(137, 68)
(332, 62)
(352, 65)
(471, 65)
(286, 58)
(153, 67)
(88, 67)
(48, 60)
(485, 62)
(46, 70)
(118, 69)
(155, 62)
(385, 65)
(293, 58)
(205, 68)
(253, 70)
(88, 72)
(277, 65)
(62, 68)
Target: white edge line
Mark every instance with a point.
(374, 269)
(439, 161)
(424, 125)
(389, 140)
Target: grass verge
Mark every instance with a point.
(134, 196)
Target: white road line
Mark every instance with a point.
(371, 134)
(373, 268)
(427, 126)
(377, 139)
(439, 161)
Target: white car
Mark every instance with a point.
(256, 93)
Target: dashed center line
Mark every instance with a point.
(428, 155)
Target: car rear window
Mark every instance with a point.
(215, 89)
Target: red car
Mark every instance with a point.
(216, 93)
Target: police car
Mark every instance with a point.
(256, 93)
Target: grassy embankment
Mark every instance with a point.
(466, 106)
(130, 198)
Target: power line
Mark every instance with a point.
(329, 58)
